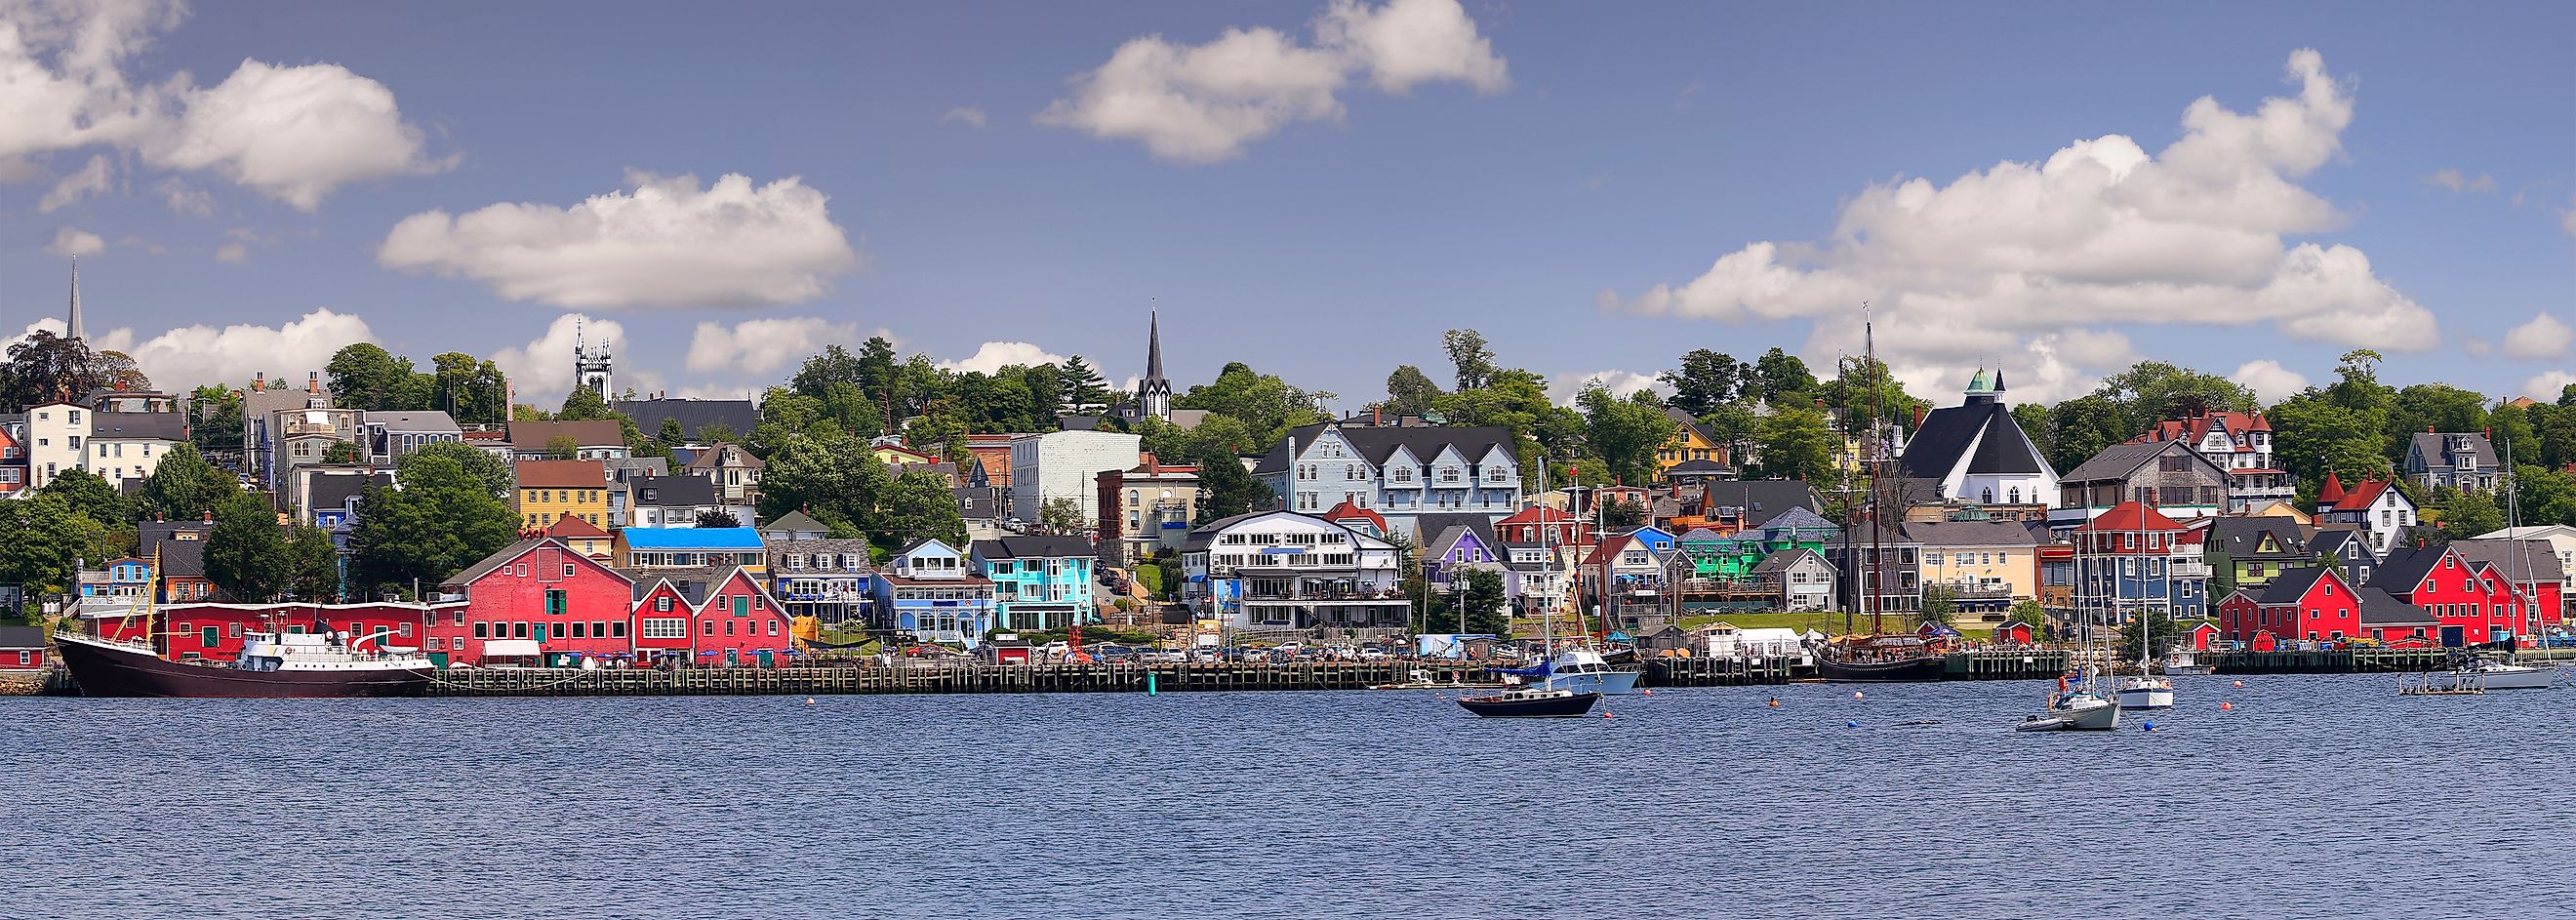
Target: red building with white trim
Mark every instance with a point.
(214, 632)
(710, 617)
(2312, 603)
(2469, 602)
(537, 599)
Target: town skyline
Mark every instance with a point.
(2348, 225)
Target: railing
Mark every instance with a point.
(2190, 569)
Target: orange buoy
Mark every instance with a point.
(1605, 713)
(2240, 683)
(2226, 706)
(1775, 702)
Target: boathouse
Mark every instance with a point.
(22, 648)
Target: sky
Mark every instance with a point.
(1315, 189)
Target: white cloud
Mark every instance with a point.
(1563, 388)
(2452, 179)
(185, 200)
(1203, 103)
(667, 243)
(73, 241)
(764, 345)
(186, 357)
(2099, 233)
(2547, 385)
(92, 179)
(994, 356)
(541, 372)
(2542, 339)
(2567, 220)
(232, 253)
(292, 133)
(964, 114)
(2270, 381)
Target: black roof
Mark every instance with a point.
(671, 491)
(2291, 585)
(1429, 527)
(2120, 461)
(693, 414)
(335, 491)
(1990, 532)
(19, 637)
(978, 503)
(1948, 433)
(2534, 560)
(2242, 538)
(1033, 547)
(1695, 468)
(2404, 568)
(110, 426)
(1376, 444)
(2382, 608)
(1763, 499)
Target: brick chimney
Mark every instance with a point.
(313, 382)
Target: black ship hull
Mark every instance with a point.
(110, 670)
(1543, 707)
(1895, 670)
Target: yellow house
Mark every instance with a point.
(550, 490)
(1693, 441)
(1986, 566)
(898, 455)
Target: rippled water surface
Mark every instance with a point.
(2315, 797)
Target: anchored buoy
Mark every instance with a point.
(2226, 706)
(1775, 702)
(1605, 713)
(1848, 723)
(2240, 683)
(2150, 726)
(809, 701)
(1858, 695)
(1645, 693)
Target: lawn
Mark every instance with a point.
(1830, 623)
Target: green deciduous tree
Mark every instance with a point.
(443, 518)
(1227, 489)
(2464, 513)
(1797, 443)
(40, 539)
(1409, 391)
(468, 389)
(215, 411)
(366, 377)
(184, 486)
(1707, 380)
(1470, 356)
(920, 505)
(1625, 432)
(311, 569)
(246, 554)
(93, 497)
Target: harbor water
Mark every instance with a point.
(2322, 796)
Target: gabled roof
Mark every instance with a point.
(562, 474)
(1701, 535)
(569, 527)
(19, 638)
(1761, 499)
(2243, 538)
(1695, 468)
(2403, 570)
(127, 426)
(2436, 451)
(2362, 496)
(2130, 516)
(1346, 512)
(1377, 444)
(2120, 461)
(2197, 428)
(1033, 547)
(792, 522)
(1984, 424)
(1431, 526)
(1799, 519)
(2293, 585)
(336, 491)
(511, 553)
(720, 455)
(1781, 560)
(2519, 560)
(2331, 541)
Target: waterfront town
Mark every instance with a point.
(889, 510)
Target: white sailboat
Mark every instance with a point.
(2147, 690)
(2075, 709)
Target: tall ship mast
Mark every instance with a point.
(1876, 656)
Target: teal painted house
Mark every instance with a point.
(1038, 582)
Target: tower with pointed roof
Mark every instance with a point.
(72, 324)
(590, 365)
(1153, 393)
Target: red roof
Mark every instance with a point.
(2198, 427)
(1608, 550)
(2131, 517)
(1537, 514)
(569, 527)
(2332, 491)
(1350, 512)
(562, 474)
(2362, 496)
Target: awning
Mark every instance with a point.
(510, 648)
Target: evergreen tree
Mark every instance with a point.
(1082, 383)
(1481, 596)
(1227, 489)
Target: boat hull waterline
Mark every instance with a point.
(109, 669)
(2086, 714)
(1531, 705)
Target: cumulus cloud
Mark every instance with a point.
(73, 241)
(994, 356)
(667, 242)
(541, 372)
(965, 115)
(2542, 339)
(291, 133)
(1204, 103)
(186, 357)
(1563, 388)
(2270, 381)
(2455, 181)
(232, 253)
(92, 179)
(2547, 385)
(764, 345)
(2100, 232)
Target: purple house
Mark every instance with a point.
(1454, 542)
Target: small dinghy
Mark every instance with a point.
(1531, 704)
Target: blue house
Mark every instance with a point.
(689, 548)
(1655, 538)
(931, 592)
(128, 580)
(1038, 582)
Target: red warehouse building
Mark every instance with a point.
(2470, 607)
(716, 616)
(214, 632)
(536, 599)
(2312, 603)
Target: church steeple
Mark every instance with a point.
(72, 324)
(1153, 393)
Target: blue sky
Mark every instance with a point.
(1535, 171)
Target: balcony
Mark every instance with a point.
(300, 429)
(1310, 590)
(2194, 569)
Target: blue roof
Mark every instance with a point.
(692, 537)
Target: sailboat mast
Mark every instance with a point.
(1877, 477)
